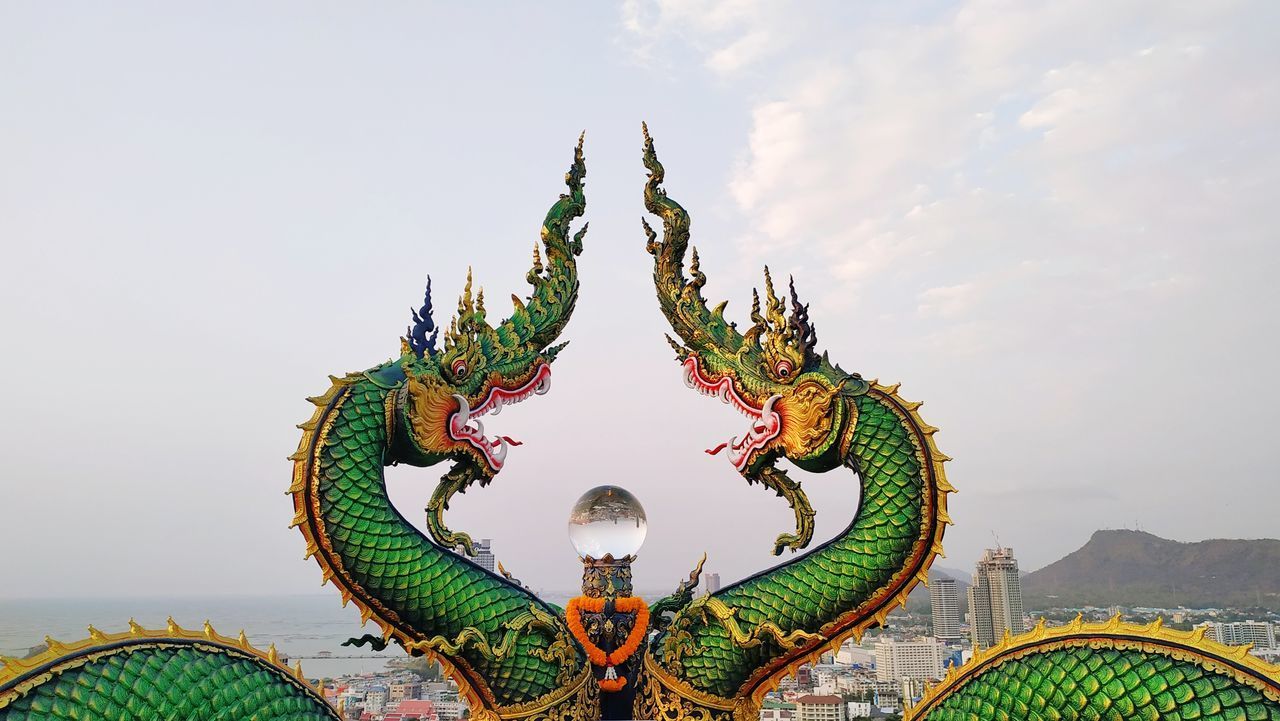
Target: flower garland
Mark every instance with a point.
(629, 604)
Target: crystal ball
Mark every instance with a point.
(607, 520)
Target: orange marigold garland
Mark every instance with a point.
(629, 604)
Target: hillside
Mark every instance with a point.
(1133, 568)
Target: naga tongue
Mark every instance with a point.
(717, 449)
(511, 441)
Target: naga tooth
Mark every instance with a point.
(497, 405)
(768, 405)
(499, 453)
(543, 386)
(464, 410)
(479, 428)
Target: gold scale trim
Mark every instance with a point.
(665, 697)
(563, 704)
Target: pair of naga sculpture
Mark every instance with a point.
(710, 658)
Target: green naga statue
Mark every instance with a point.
(510, 652)
(719, 655)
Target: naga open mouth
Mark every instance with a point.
(766, 424)
(462, 428)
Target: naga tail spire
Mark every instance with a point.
(538, 321)
(680, 296)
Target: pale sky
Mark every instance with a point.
(1052, 222)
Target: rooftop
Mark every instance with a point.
(814, 699)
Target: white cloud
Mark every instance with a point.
(740, 53)
(947, 301)
(730, 35)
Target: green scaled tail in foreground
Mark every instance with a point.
(142, 675)
(509, 652)
(1106, 672)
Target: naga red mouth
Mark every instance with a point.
(766, 424)
(494, 449)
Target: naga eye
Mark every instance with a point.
(783, 368)
(459, 368)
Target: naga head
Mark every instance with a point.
(481, 368)
(792, 396)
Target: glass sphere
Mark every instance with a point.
(607, 520)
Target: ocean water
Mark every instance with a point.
(299, 626)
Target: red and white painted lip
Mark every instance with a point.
(494, 449)
(766, 424)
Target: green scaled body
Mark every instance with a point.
(1084, 683)
(1106, 672)
(157, 676)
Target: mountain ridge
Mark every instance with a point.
(1134, 568)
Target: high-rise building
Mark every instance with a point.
(711, 582)
(484, 555)
(1239, 633)
(995, 598)
(919, 660)
(946, 608)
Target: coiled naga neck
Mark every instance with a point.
(721, 653)
(509, 652)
